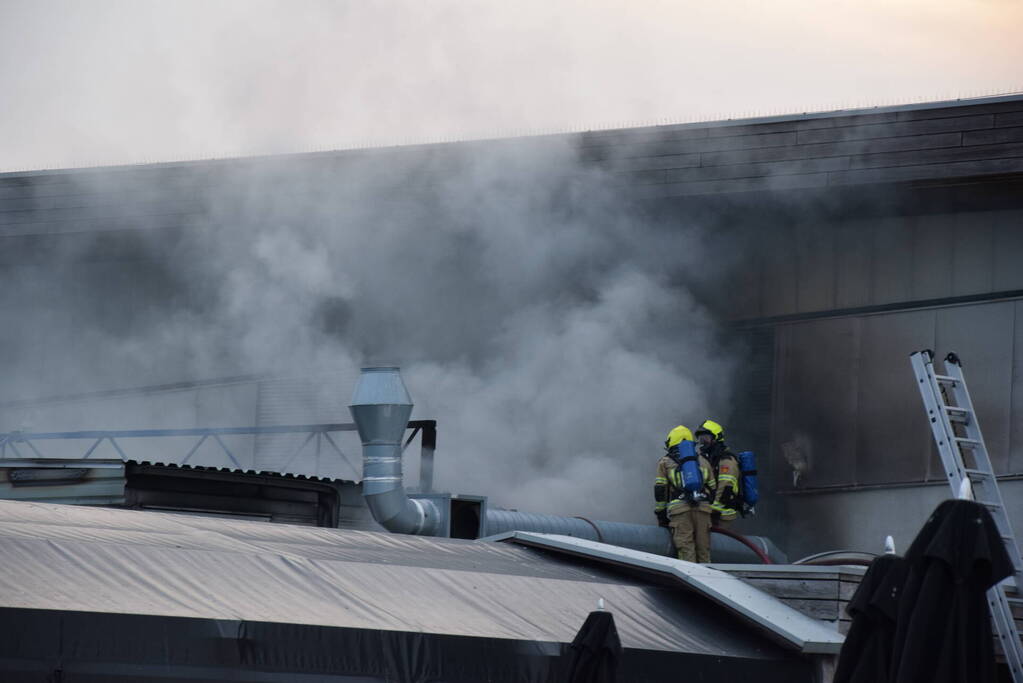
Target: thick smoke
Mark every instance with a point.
(542, 319)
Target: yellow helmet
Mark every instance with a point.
(712, 428)
(677, 436)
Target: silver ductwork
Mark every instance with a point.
(381, 407)
(645, 537)
(725, 549)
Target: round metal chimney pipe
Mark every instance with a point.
(381, 407)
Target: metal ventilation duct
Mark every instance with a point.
(381, 407)
(645, 537)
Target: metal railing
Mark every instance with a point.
(317, 438)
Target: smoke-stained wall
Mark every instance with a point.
(847, 416)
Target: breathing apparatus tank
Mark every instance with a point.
(692, 478)
(748, 468)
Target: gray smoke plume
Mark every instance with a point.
(545, 321)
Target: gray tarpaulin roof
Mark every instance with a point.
(79, 559)
(758, 608)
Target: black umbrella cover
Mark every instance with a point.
(596, 650)
(866, 654)
(943, 627)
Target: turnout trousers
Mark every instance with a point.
(690, 530)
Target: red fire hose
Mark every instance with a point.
(745, 541)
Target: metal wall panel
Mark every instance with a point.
(892, 278)
(815, 267)
(893, 439)
(815, 403)
(745, 290)
(973, 244)
(1016, 406)
(1008, 248)
(853, 264)
(983, 337)
(780, 282)
(932, 257)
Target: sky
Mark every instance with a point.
(111, 82)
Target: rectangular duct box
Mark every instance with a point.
(461, 516)
(468, 514)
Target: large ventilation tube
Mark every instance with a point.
(725, 546)
(381, 407)
(645, 537)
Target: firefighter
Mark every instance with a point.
(725, 466)
(687, 514)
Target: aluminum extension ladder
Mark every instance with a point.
(964, 456)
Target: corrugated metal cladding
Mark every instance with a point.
(79, 582)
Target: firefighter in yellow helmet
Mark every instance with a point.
(725, 501)
(687, 515)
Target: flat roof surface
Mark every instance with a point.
(76, 559)
(784, 623)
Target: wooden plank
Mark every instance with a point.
(98, 225)
(640, 177)
(106, 213)
(817, 589)
(847, 589)
(797, 571)
(659, 162)
(892, 130)
(97, 184)
(937, 156)
(136, 197)
(960, 110)
(817, 609)
(993, 137)
(690, 146)
(799, 166)
(1009, 119)
(772, 183)
(846, 121)
(930, 171)
(827, 149)
(646, 134)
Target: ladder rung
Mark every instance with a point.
(956, 414)
(968, 442)
(945, 379)
(979, 473)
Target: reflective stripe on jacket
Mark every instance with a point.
(668, 473)
(726, 495)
